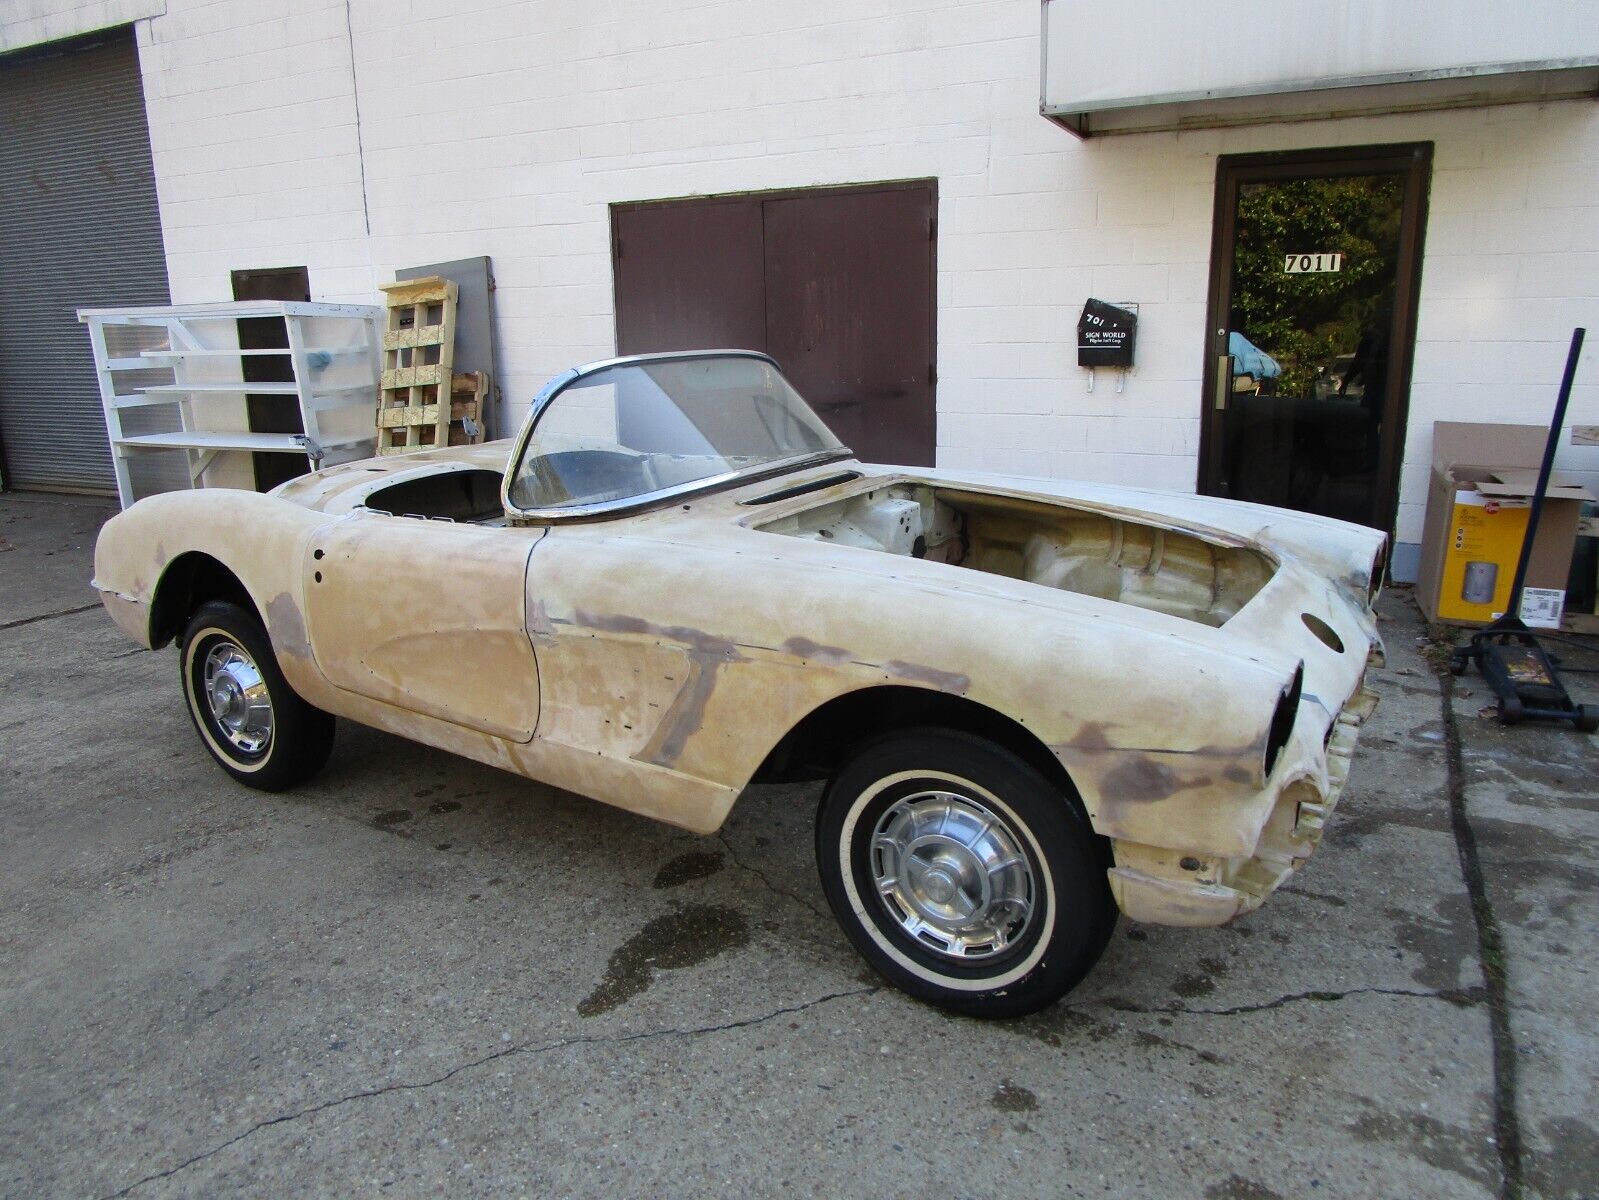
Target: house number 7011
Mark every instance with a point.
(1305, 264)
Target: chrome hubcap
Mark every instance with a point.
(953, 874)
(238, 698)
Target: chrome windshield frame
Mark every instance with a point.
(602, 508)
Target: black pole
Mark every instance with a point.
(1513, 609)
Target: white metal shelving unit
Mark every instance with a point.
(187, 358)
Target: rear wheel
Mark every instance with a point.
(247, 716)
(961, 874)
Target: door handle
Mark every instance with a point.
(1224, 380)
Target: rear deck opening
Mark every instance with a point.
(1054, 545)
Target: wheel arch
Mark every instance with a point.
(190, 580)
(816, 747)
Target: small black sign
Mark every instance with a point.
(1105, 335)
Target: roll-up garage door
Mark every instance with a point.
(79, 228)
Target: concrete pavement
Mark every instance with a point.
(420, 976)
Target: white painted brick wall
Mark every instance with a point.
(505, 129)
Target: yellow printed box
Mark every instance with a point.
(1480, 559)
(1477, 519)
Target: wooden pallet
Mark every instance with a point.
(418, 351)
(469, 396)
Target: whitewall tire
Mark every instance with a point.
(247, 716)
(961, 874)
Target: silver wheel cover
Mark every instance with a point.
(236, 696)
(953, 875)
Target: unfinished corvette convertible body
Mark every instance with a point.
(1036, 704)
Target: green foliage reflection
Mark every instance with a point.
(1305, 321)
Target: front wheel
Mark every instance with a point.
(251, 721)
(961, 874)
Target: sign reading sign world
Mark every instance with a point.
(1309, 264)
(1105, 335)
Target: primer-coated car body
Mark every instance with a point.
(656, 657)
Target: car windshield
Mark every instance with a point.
(638, 429)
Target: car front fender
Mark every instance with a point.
(257, 539)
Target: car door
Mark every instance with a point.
(428, 616)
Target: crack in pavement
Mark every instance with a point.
(505, 1052)
(770, 886)
(1459, 997)
(1490, 953)
(49, 616)
(1294, 890)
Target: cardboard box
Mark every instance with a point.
(1588, 526)
(1478, 501)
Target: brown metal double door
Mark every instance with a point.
(836, 284)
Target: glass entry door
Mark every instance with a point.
(1311, 329)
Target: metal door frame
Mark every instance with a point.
(1412, 161)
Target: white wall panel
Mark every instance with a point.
(1150, 64)
(1103, 55)
(32, 22)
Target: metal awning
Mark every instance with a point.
(1146, 65)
